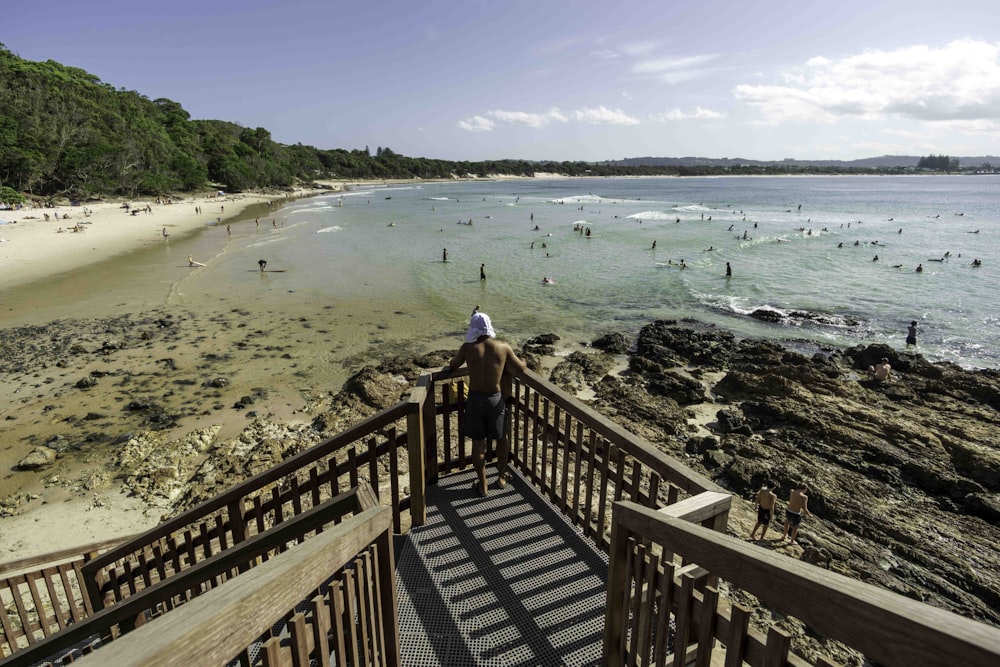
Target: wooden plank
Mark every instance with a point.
(76, 609)
(27, 627)
(589, 487)
(778, 644)
(638, 579)
(739, 621)
(270, 653)
(706, 627)
(577, 468)
(335, 604)
(321, 629)
(544, 445)
(350, 613)
(299, 640)
(58, 612)
(705, 505)
(397, 525)
(602, 501)
(373, 477)
(533, 469)
(8, 632)
(664, 610)
(682, 633)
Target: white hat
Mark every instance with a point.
(479, 325)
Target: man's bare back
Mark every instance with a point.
(765, 499)
(487, 359)
(798, 501)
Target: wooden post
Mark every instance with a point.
(617, 590)
(415, 450)
(429, 405)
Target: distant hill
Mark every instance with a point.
(885, 161)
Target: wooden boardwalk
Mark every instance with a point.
(504, 580)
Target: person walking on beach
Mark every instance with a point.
(729, 270)
(911, 337)
(765, 509)
(482, 272)
(262, 263)
(487, 359)
(798, 505)
(444, 255)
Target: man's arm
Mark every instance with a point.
(456, 361)
(514, 365)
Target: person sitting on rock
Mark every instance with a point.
(880, 372)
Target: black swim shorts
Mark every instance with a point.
(484, 415)
(793, 518)
(763, 516)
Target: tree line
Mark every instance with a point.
(65, 133)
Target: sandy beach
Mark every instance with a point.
(42, 511)
(33, 247)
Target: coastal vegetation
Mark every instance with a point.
(65, 133)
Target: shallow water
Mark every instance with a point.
(374, 257)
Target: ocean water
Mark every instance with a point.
(379, 250)
(782, 256)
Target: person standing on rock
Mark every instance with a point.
(765, 509)
(798, 505)
(485, 409)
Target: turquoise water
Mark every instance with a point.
(382, 240)
(371, 260)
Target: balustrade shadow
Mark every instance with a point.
(503, 580)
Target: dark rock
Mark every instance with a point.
(767, 315)
(86, 383)
(613, 343)
(217, 383)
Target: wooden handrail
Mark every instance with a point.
(886, 627)
(219, 624)
(12, 567)
(686, 479)
(127, 610)
(258, 481)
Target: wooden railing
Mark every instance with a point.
(579, 459)
(647, 590)
(46, 594)
(354, 512)
(368, 452)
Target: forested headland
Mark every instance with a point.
(65, 133)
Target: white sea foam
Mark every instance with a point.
(440, 198)
(327, 230)
(652, 215)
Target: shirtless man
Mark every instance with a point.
(798, 505)
(765, 509)
(880, 372)
(487, 359)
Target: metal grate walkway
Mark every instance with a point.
(503, 580)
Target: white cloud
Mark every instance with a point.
(956, 83)
(477, 124)
(600, 115)
(604, 116)
(661, 65)
(677, 114)
(529, 119)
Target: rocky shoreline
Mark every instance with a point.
(904, 477)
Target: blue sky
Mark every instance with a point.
(570, 80)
